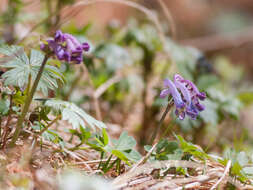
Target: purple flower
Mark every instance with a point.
(66, 47)
(186, 99)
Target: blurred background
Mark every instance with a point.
(207, 41)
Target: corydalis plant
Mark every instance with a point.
(185, 95)
(66, 47)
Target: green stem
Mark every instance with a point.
(111, 165)
(101, 158)
(50, 124)
(28, 103)
(170, 104)
(118, 166)
(105, 167)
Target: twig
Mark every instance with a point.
(148, 167)
(135, 5)
(49, 125)
(101, 89)
(93, 161)
(193, 185)
(144, 159)
(226, 171)
(169, 19)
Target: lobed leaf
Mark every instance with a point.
(20, 67)
(73, 114)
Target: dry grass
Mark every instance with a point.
(38, 167)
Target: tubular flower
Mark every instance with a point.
(185, 95)
(66, 47)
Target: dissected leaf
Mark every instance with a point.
(115, 56)
(73, 114)
(20, 67)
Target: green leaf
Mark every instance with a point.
(185, 58)
(121, 156)
(248, 170)
(147, 147)
(123, 148)
(20, 67)
(165, 146)
(72, 117)
(210, 115)
(19, 97)
(166, 150)
(206, 81)
(85, 134)
(105, 136)
(242, 158)
(4, 106)
(232, 106)
(73, 114)
(52, 135)
(133, 156)
(188, 147)
(38, 126)
(115, 56)
(125, 142)
(14, 53)
(177, 155)
(236, 169)
(146, 36)
(246, 97)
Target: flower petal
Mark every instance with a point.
(164, 93)
(194, 90)
(59, 36)
(178, 78)
(175, 94)
(180, 114)
(184, 91)
(86, 46)
(200, 107)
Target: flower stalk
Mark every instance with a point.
(169, 106)
(28, 102)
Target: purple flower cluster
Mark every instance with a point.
(66, 47)
(185, 95)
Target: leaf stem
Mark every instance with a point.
(50, 124)
(170, 104)
(28, 103)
